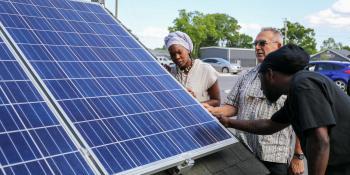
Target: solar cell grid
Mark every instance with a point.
(126, 107)
(32, 139)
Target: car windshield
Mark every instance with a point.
(223, 61)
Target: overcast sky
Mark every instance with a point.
(149, 20)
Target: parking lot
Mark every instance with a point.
(226, 82)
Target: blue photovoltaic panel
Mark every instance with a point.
(128, 109)
(32, 141)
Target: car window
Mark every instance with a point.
(210, 61)
(324, 66)
(338, 67)
(225, 62)
(311, 67)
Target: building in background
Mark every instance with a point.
(242, 56)
(331, 55)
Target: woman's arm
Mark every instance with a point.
(224, 111)
(214, 95)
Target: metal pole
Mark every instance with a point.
(285, 31)
(229, 54)
(116, 9)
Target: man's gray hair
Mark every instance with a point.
(275, 31)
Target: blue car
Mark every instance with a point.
(338, 71)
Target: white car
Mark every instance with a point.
(164, 60)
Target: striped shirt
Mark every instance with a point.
(252, 104)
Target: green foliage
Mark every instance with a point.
(331, 44)
(346, 48)
(300, 35)
(240, 41)
(210, 30)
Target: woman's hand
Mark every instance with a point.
(215, 111)
(191, 92)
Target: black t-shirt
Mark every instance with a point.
(315, 101)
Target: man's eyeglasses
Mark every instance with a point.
(262, 43)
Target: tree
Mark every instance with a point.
(300, 35)
(346, 48)
(240, 41)
(225, 27)
(331, 44)
(194, 25)
(210, 30)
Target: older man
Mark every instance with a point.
(316, 108)
(247, 101)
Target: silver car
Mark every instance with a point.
(222, 65)
(164, 60)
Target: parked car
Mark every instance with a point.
(338, 71)
(222, 65)
(164, 60)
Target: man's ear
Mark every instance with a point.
(270, 74)
(279, 45)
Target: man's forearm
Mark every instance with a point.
(297, 147)
(318, 151)
(262, 127)
(296, 165)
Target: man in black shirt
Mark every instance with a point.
(316, 108)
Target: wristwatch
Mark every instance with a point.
(299, 156)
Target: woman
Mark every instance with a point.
(199, 78)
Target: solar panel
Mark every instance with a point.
(124, 107)
(32, 140)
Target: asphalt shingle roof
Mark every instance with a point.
(234, 160)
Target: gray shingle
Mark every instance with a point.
(233, 170)
(345, 53)
(236, 159)
(242, 152)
